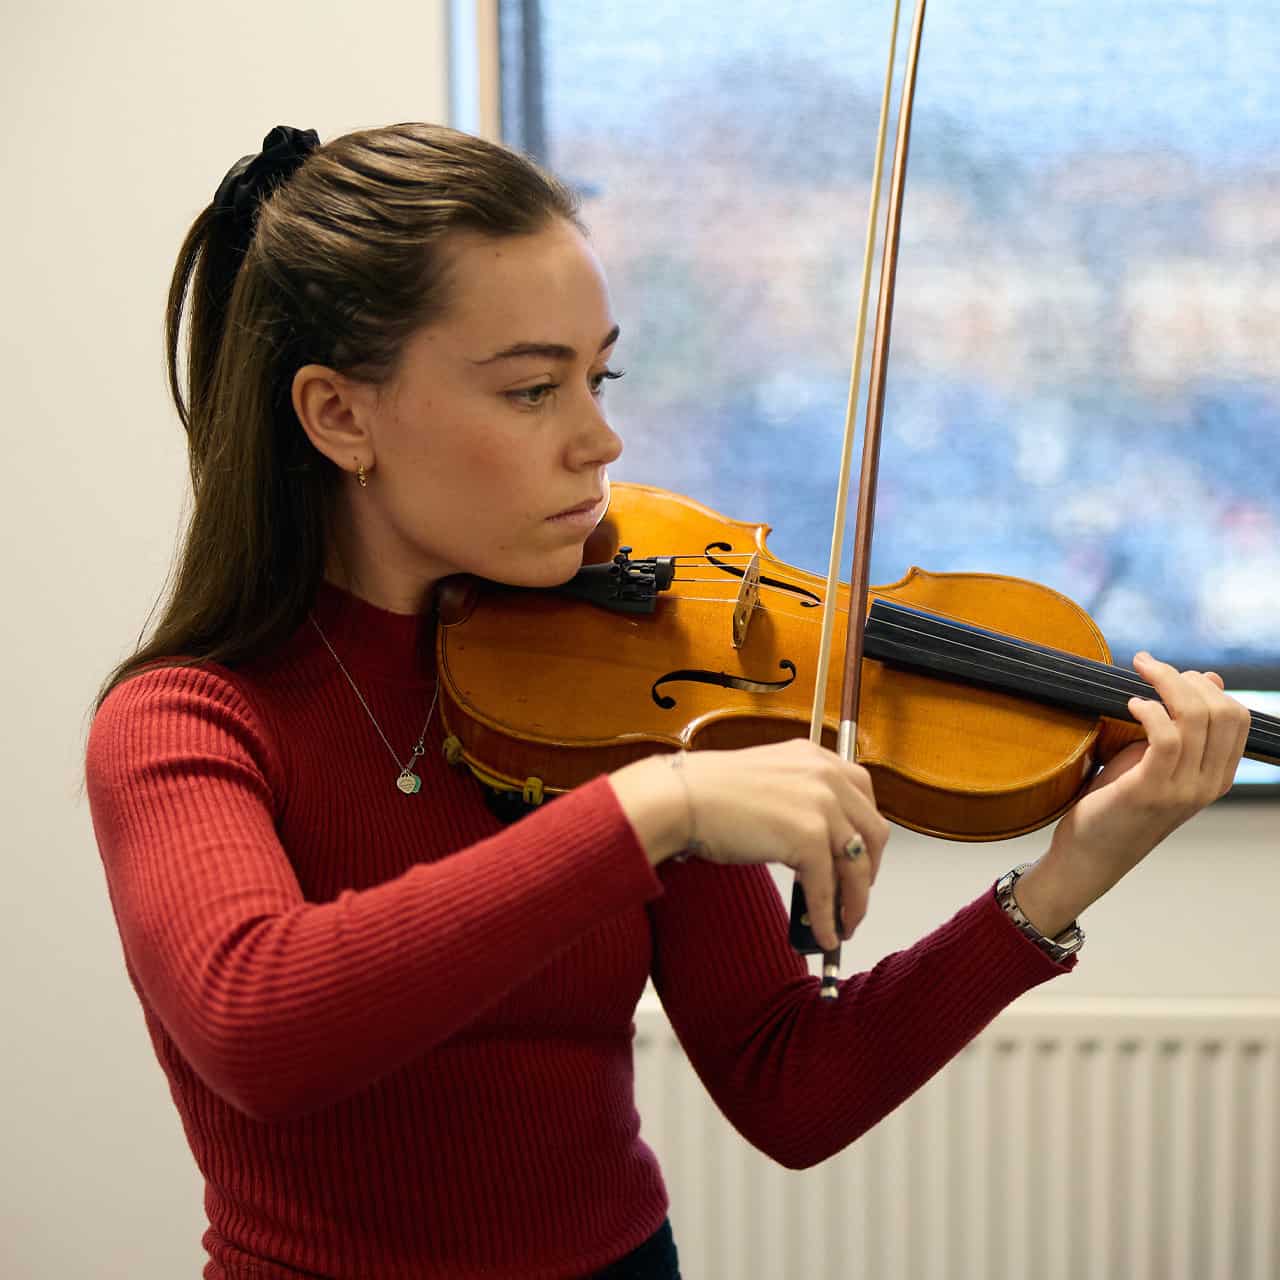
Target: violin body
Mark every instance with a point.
(540, 693)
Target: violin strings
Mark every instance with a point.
(1119, 680)
(1133, 681)
(1265, 724)
(1122, 679)
(707, 600)
(702, 555)
(781, 577)
(1122, 672)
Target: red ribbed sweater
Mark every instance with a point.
(398, 1032)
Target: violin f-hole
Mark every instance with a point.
(722, 680)
(807, 598)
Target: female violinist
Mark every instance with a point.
(398, 1031)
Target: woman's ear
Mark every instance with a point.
(335, 412)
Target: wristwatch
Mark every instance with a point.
(1067, 943)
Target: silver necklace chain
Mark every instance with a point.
(408, 781)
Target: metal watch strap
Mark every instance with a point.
(1067, 943)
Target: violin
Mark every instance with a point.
(987, 701)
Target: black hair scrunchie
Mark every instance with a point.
(252, 177)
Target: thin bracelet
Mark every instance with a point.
(693, 844)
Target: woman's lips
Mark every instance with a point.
(589, 505)
(585, 513)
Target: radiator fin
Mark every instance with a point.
(1120, 1138)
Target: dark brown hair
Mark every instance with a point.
(346, 261)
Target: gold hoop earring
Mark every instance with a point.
(361, 475)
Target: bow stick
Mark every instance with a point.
(801, 934)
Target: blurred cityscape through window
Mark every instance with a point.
(1084, 385)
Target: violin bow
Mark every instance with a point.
(801, 933)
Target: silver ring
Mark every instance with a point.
(854, 848)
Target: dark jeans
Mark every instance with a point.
(656, 1259)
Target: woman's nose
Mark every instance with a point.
(597, 442)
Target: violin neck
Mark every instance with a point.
(927, 642)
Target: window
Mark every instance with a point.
(1084, 387)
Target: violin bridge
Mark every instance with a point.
(748, 593)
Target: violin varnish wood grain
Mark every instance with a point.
(539, 685)
(966, 763)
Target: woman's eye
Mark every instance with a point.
(598, 380)
(532, 397)
(535, 397)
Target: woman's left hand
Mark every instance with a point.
(1195, 737)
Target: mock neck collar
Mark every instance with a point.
(372, 640)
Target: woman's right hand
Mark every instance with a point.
(789, 802)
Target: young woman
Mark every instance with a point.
(398, 1031)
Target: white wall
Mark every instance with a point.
(120, 120)
(119, 123)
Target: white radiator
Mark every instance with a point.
(1100, 1139)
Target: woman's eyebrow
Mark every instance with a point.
(548, 350)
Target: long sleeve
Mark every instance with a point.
(799, 1076)
(281, 1004)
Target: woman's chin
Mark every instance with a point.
(553, 569)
